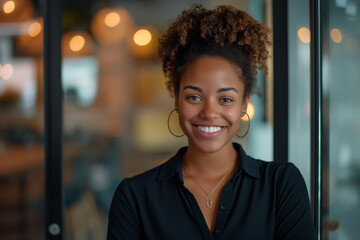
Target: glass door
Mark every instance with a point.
(329, 156)
(341, 61)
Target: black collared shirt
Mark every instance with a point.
(263, 200)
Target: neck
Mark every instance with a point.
(210, 163)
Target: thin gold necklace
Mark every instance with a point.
(209, 201)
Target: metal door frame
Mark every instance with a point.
(53, 97)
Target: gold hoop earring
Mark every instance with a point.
(168, 123)
(247, 128)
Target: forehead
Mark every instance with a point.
(212, 72)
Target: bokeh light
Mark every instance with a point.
(7, 71)
(9, 7)
(15, 11)
(336, 35)
(34, 29)
(304, 35)
(250, 111)
(142, 37)
(112, 19)
(31, 41)
(77, 43)
(0, 70)
(112, 25)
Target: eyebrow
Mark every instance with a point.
(193, 87)
(227, 89)
(218, 91)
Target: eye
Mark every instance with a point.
(193, 98)
(226, 100)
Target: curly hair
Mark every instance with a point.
(224, 32)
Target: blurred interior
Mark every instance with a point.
(116, 107)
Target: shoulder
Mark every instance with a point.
(150, 178)
(278, 169)
(286, 182)
(147, 177)
(263, 170)
(283, 176)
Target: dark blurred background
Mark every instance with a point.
(116, 107)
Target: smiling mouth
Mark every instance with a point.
(209, 129)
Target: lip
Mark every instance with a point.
(208, 134)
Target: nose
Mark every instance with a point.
(209, 110)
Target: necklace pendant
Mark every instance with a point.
(209, 202)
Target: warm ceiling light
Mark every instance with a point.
(250, 111)
(77, 43)
(34, 29)
(9, 7)
(111, 26)
(112, 19)
(336, 35)
(304, 35)
(7, 71)
(142, 37)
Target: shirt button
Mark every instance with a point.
(223, 208)
(217, 231)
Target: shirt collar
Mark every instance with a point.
(173, 166)
(248, 164)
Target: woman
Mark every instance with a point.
(211, 189)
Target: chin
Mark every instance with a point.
(209, 146)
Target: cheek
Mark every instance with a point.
(185, 114)
(186, 110)
(184, 121)
(233, 116)
(234, 113)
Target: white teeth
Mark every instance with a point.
(209, 129)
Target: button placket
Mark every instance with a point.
(223, 203)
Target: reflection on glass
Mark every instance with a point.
(336, 35)
(299, 87)
(304, 34)
(341, 76)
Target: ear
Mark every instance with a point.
(245, 105)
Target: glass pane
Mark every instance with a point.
(299, 86)
(341, 76)
(259, 143)
(116, 104)
(21, 121)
